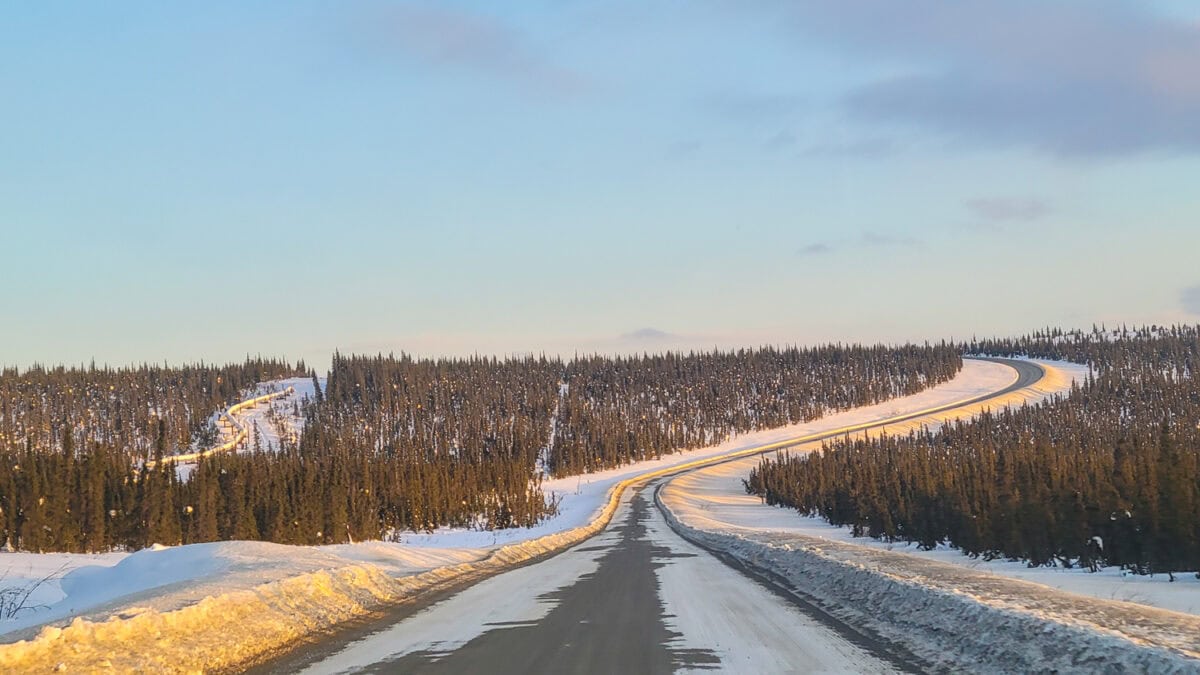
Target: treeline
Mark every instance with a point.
(598, 412)
(1109, 476)
(618, 410)
(395, 444)
(99, 500)
(124, 408)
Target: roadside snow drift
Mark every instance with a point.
(957, 619)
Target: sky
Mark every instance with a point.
(201, 181)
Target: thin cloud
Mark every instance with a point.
(867, 240)
(751, 107)
(475, 42)
(876, 240)
(683, 149)
(779, 141)
(1070, 79)
(1009, 209)
(1190, 299)
(650, 335)
(863, 148)
(814, 250)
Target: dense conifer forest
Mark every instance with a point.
(1109, 476)
(391, 444)
(125, 408)
(617, 410)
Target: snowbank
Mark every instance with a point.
(268, 616)
(169, 578)
(715, 500)
(959, 619)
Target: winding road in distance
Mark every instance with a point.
(636, 598)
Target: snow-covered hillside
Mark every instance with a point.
(280, 420)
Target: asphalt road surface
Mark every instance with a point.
(636, 598)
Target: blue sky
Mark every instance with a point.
(189, 181)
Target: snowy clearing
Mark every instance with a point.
(279, 420)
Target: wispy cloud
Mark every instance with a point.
(779, 141)
(1075, 79)
(751, 107)
(683, 149)
(650, 335)
(882, 240)
(471, 41)
(814, 249)
(868, 239)
(863, 148)
(1190, 299)
(1009, 209)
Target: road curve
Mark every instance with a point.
(241, 432)
(635, 598)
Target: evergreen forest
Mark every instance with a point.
(390, 443)
(1108, 476)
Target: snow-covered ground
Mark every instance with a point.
(713, 498)
(1071, 617)
(280, 420)
(153, 585)
(268, 424)
(164, 578)
(955, 618)
(717, 495)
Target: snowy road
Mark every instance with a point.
(635, 598)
